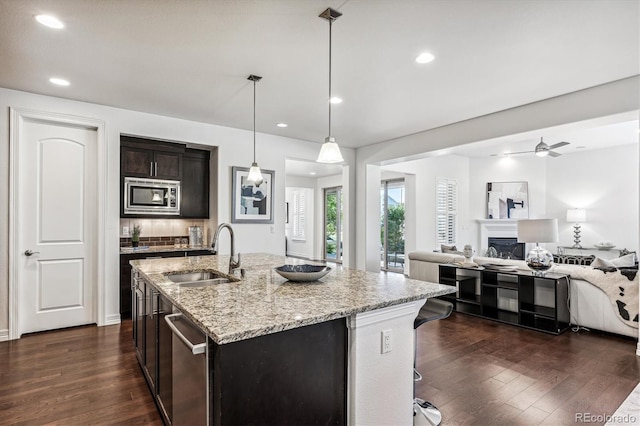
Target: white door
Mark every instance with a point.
(55, 220)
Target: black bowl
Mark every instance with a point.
(303, 272)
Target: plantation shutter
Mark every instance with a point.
(446, 210)
(299, 212)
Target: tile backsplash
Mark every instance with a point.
(170, 228)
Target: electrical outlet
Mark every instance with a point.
(125, 231)
(387, 341)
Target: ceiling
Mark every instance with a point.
(191, 58)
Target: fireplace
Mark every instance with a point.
(507, 248)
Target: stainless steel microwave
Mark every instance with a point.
(151, 196)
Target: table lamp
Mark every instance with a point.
(538, 231)
(576, 216)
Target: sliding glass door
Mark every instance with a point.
(392, 225)
(333, 224)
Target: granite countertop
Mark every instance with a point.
(159, 249)
(263, 302)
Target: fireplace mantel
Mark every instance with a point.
(504, 228)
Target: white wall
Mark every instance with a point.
(523, 168)
(234, 148)
(605, 183)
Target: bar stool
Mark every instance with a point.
(434, 309)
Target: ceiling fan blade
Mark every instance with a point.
(558, 145)
(554, 154)
(519, 152)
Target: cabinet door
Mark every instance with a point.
(125, 289)
(195, 184)
(138, 320)
(151, 335)
(164, 380)
(136, 162)
(167, 165)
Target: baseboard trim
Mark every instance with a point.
(112, 319)
(4, 335)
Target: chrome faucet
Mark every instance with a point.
(232, 263)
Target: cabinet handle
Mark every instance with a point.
(151, 168)
(195, 349)
(156, 169)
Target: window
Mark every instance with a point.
(298, 214)
(392, 215)
(446, 210)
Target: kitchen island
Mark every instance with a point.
(281, 352)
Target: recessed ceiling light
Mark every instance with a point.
(312, 173)
(580, 147)
(425, 58)
(335, 100)
(282, 125)
(59, 81)
(50, 21)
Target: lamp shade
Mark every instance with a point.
(330, 152)
(576, 215)
(538, 231)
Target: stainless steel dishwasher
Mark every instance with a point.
(189, 373)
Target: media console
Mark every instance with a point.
(513, 297)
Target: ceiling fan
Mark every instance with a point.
(542, 149)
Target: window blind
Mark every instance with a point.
(446, 210)
(299, 213)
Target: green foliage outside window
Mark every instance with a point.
(332, 211)
(395, 229)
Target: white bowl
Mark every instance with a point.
(604, 246)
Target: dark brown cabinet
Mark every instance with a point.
(126, 291)
(146, 158)
(196, 381)
(149, 158)
(195, 184)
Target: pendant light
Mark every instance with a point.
(255, 175)
(330, 151)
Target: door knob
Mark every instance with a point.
(30, 253)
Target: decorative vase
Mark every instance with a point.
(135, 243)
(539, 260)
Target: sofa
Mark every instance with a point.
(590, 306)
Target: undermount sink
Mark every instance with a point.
(198, 279)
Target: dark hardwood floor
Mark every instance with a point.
(476, 371)
(479, 372)
(76, 376)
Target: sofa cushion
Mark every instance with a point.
(428, 256)
(625, 261)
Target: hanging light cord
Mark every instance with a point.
(330, 24)
(254, 121)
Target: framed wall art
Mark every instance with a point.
(250, 203)
(507, 200)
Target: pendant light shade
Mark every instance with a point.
(330, 151)
(255, 175)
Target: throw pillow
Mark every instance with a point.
(601, 263)
(625, 261)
